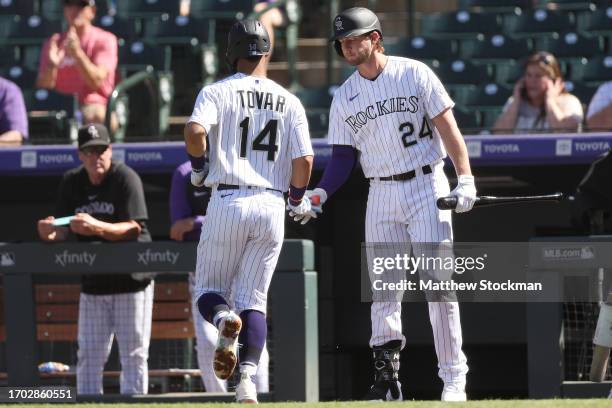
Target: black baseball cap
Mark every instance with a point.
(80, 3)
(93, 134)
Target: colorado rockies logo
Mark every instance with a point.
(338, 24)
(93, 132)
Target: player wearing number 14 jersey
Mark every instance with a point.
(259, 148)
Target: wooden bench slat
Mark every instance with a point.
(57, 313)
(63, 293)
(171, 311)
(169, 291)
(164, 330)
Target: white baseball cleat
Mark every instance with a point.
(225, 356)
(454, 393)
(246, 392)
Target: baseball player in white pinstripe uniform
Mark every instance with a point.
(259, 147)
(395, 112)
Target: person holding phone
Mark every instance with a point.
(540, 101)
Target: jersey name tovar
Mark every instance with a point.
(381, 108)
(261, 100)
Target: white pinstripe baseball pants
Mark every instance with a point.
(239, 246)
(405, 211)
(127, 316)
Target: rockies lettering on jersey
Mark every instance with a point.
(388, 119)
(397, 104)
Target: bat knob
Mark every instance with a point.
(447, 203)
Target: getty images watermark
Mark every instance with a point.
(485, 272)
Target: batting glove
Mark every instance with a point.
(465, 193)
(301, 212)
(318, 197)
(197, 177)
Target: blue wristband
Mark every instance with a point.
(197, 163)
(296, 194)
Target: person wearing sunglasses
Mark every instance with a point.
(540, 101)
(105, 201)
(81, 61)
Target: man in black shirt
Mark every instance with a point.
(106, 200)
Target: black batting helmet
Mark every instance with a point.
(352, 23)
(247, 38)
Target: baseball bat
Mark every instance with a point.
(450, 202)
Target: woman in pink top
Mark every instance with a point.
(81, 61)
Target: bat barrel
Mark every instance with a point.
(450, 203)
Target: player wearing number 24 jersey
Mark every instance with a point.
(259, 148)
(397, 115)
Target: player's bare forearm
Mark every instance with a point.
(11, 138)
(300, 171)
(195, 139)
(602, 120)
(119, 231)
(453, 142)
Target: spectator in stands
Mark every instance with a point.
(271, 19)
(187, 210)
(13, 116)
(539, 101)
(599, 114)
(81, 61)
(106, 202)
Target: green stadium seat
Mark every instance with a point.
(320, 97)
(50, 116)
(459, 24)
(581, 90)
(598, 21)
(23, 30)
(18, 7)
(485, 96)
(489, 117)
(226, 9)
(146, 8)
(8, 56)
(573, 5)
(494, 47)
(125, 28)
(573, 67)
(138, 55)
(494, 5)
(462, 72)
(22, 76)
(571, 44)
(30, 55)
(536, 23)
(420, 48)
(598, 69)
(318, 122)
(177, 30)
(54, 9)
(508, 71)
(468, 120)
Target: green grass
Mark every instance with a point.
(561, 403)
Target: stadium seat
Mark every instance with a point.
(420, 48)
(8, 56)
(30, 55)
(489, 116)
(494, 47)
(54, 9)
(138, 55)
(538, 22)
(18, 7)
(459, 24)
(494, 5)
(50, 116)
(508, 71)
(462, 72)
(227, 9)
(177, 30)
(570, 44)
(598, 21)
(598, 69)
(485, 96)
(146, 8)
(573, 5)
(320, 97)
(22, 76)
(125, 28)
(318, 122)
(573, 68)
(24, 30)
(468, 120)
(582, 91)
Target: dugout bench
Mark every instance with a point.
(41, 317)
